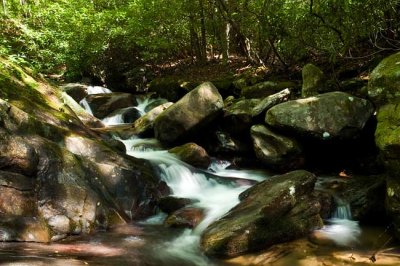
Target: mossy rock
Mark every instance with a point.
(313, 79)
(384, 82)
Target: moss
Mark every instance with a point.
(384, 83)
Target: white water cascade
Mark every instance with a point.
(341, 229)
(92, 90)
(206, 193)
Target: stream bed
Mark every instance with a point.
(215, 191)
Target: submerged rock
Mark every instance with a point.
(328, 115)
(196, 109)
(277, 210)
(185, 218)
(192, 154)
(171, 204)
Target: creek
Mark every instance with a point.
(215, 191)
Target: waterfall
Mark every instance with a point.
(201, 186)
(214, 198)
(340, 228)
(97, 90)
(84, 103)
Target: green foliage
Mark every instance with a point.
(84, 37)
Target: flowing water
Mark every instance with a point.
(215, 191)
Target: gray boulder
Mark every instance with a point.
(196, 109)
(276, 151)
(328, 115)
(277, 210)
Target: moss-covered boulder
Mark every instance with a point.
(313, 80)
(383, 90)
(384, 82)
(195, 110)
(277, 210)
(62, 177)
(328, 115)
(276, 151)
(192, 154)
(266, 88)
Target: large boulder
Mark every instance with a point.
(104, 104)
(192, 154)
(277, 210)
(313, 79)
(384, 82)
(58, 176)
(328, 115)
(196, 109)
(276, 151)
(383, 90)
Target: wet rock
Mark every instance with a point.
(192, 154)
(313, 79)
(24, 229)
(17, 197)
(238, 117)
(266, 88)
(77, 91)
(328, 115)
(277, 210)
(17, 155)
(171, 204)
(128, 114)
(195, 110)
(105, 103)
(186, 218)
(223, 143)
(326, 201)
(129, 180)
(145, 124)
(366, 196)
(276, 151)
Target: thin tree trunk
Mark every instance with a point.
(5, 7)
(203, 44)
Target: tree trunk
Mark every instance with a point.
(203, 45)
(5, 7)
